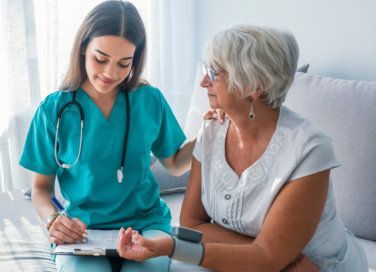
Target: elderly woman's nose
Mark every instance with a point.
(205, 82)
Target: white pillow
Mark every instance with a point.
(346, 111)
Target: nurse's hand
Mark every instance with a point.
(65, 230)
(133, 246)
(217, 114)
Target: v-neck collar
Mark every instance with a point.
(91, 108)
(222, 142)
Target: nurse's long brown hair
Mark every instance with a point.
(115, 18)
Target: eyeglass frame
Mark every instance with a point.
(208, 70)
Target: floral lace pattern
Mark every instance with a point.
(229, 189)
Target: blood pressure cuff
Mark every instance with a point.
(188, 252)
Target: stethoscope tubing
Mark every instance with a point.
(62, 164)
(59, 116)
(121, 170)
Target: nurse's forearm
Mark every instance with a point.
(183, 158)
(181, 161)
(41, 195)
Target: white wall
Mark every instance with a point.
(337, 37)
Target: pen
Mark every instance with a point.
(62, 210)
(59, 207)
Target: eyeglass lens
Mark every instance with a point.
(209, 71)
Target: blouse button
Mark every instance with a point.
(227, 196)
(224, 220)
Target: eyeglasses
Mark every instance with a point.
(207, 70)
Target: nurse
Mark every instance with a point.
(103, 167)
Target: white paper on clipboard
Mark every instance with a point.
(100, 243)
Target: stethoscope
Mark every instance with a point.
(120, 171)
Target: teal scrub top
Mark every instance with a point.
(91, 186)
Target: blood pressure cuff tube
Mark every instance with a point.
(188, 252)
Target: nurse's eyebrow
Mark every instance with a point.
(103, 53)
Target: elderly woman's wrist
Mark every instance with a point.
(169, 247)
(165, 246)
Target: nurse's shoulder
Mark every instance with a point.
(53, 102)
(149, 95)
(147, 91)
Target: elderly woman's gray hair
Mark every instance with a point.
(256, 58)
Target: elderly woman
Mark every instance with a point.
(260, 187)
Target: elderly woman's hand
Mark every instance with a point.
(133, 246)
(215, 115)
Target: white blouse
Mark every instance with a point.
(297, 149)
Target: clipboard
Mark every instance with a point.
(100, 243)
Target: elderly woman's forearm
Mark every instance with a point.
(225, 257)
(214, 233)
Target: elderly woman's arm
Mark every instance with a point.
(288, 227)
(193, 214)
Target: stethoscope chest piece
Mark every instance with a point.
(120, 175)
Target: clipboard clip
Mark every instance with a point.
(90, 252)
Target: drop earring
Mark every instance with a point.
(251, 114)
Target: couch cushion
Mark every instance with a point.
(346, 111)
(24, 244)
(370, 249)
(168, 183)
(174, 202)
